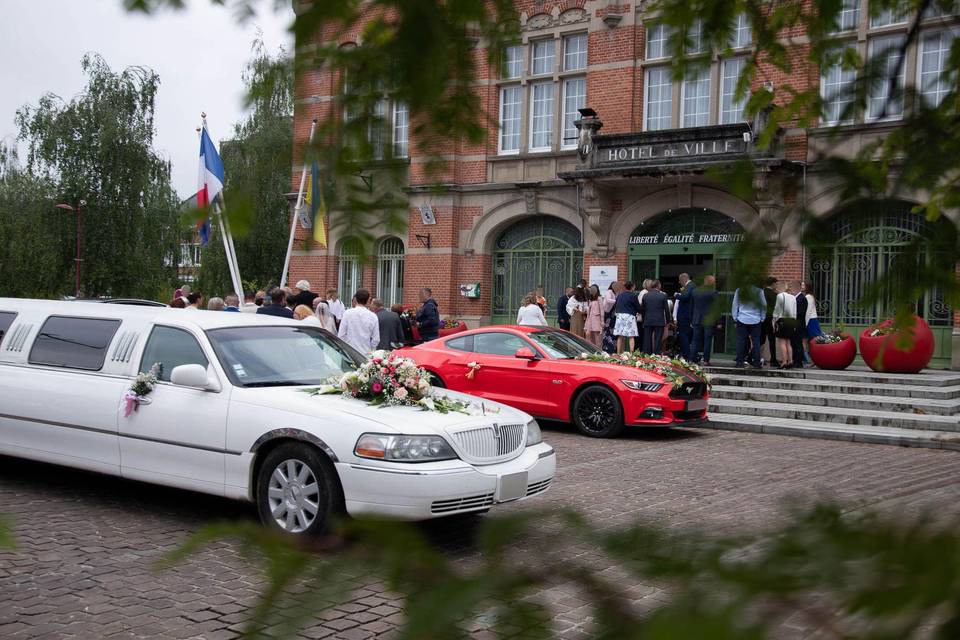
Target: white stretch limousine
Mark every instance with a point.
(228, 416)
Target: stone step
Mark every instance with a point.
(861, 417)
(831, 431)
(838, 399)
(859, 375)
(814, 385)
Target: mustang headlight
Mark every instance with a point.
(533, 433)
(401, 448)
(636, 385)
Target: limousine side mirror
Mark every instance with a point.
(193, 375)
(525, 354)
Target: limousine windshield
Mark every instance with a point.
(281, 356)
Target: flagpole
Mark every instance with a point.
(228, 247)
(296, 209)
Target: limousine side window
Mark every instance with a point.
(74, 343)
(6, 319)
(171, 348)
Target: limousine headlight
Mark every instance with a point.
(534, 436)
(403, 448)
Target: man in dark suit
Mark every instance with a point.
(796, 342)
(703, 325)
(563, 318)
(391, 331)
(766, 333)
(277, 306)
(655, 309)
(684, 316)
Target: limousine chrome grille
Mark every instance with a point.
(18, 337)
(124, 346)
(462, 504)
(491, 442)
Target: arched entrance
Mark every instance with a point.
(863, 243)
(540, 250)
(695, 241)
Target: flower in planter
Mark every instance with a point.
(833, 337)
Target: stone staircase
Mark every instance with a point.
(857, 405)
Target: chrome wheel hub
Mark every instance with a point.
(293, 496)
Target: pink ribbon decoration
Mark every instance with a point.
(129, 404)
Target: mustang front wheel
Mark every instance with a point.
(597, 412)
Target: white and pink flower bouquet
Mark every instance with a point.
(390, 380)
(673, 370)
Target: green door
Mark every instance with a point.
(540, 250)
(868, 244)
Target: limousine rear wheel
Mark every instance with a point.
(296, 490)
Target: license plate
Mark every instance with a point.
(511, 487)
(696, 405)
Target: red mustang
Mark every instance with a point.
(540, 370)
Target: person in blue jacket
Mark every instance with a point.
(428, 318)
(685, 316)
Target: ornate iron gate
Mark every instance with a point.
(866, 247)
(538, 250)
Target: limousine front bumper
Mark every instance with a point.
(422, 492)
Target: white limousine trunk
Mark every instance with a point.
(66, 366)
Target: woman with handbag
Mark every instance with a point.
(785, 325)
(609, 341)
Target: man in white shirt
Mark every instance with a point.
(335, 305)
(360, 327)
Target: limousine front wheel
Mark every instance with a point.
(295, 490)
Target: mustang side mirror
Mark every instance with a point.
(525, 354)
(193, 375)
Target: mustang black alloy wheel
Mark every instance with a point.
(297, 490)
(597, 412)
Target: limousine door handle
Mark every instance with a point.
(144, 400)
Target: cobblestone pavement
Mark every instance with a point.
(87, 543)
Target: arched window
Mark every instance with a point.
(390, 271)
(350, 267)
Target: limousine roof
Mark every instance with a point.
(83, 309)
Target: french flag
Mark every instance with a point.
(210, 181)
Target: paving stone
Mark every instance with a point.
(108, 533)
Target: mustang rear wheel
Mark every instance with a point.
(436, 381)
(297, 491)
(597, 412)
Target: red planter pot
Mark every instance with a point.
(882, 354)
(457, 329)
(837, 355)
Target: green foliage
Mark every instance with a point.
(97, 147)
(7, 540)
(257, 165)
(845, 574)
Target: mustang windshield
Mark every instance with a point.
(561, 345)
(281, 356)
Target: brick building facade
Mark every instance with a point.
(540, 203)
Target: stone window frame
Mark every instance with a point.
(557, 77)
(869, 29)
(716, 60)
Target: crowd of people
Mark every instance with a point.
(779, 318)
(366, 326)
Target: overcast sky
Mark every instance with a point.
(199, 54)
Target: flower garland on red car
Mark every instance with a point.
(392, 381)
(661, 365)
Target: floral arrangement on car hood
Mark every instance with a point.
(672, 369)
(392, 381)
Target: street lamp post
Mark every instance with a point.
(79, 211)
